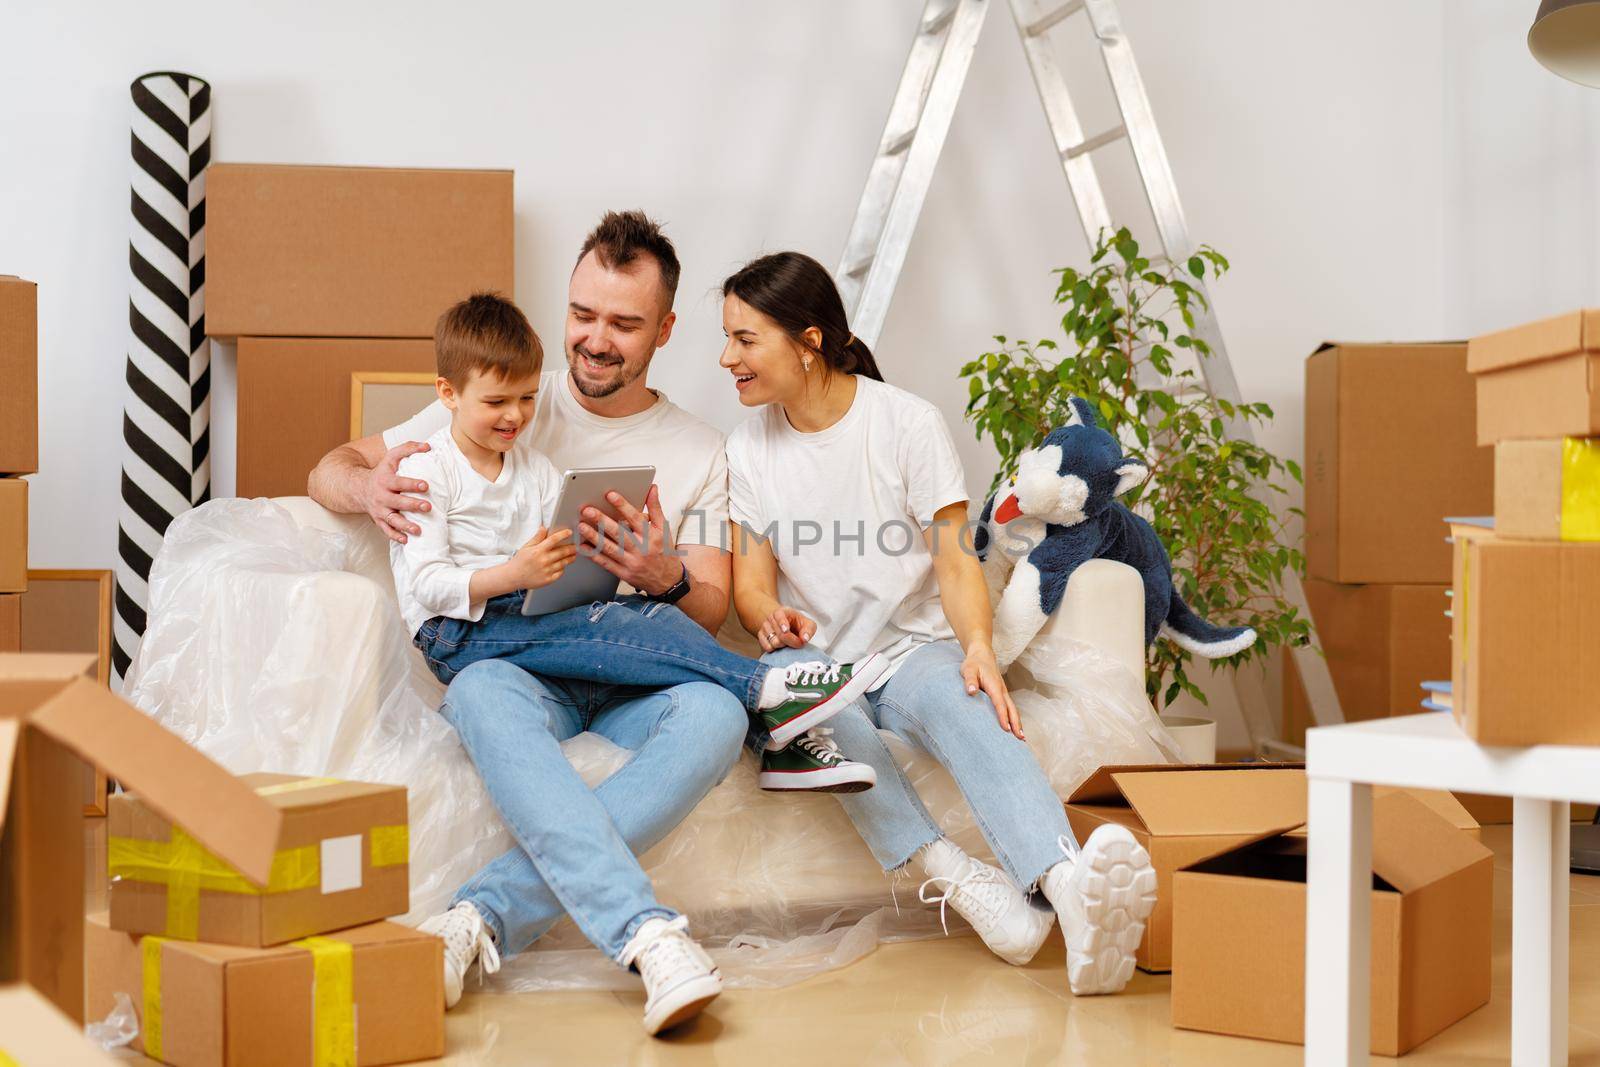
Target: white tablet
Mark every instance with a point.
(585, 581)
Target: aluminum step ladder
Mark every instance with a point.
(901, 172)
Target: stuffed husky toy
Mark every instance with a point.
(1061, 510)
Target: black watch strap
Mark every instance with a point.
(676, 592)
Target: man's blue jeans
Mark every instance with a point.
(575, 846)
(925, 703)
(629, 641)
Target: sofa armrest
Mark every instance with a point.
(1104, 607)
(369, 555)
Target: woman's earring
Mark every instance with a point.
(806, 363)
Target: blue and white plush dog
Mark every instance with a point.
(1060, 511)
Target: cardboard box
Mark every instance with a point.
(1540, 380)
(1548, 490)
(33, 1032)
(13, 535)
(1181, 814)
(1381, 642)
(1239, 938)
(1389, 452)
(54, 716)
(304, 384)
(369, 995)
(1496, 811)
(1525, 628)
(340, 859)
(10, 622)
(19, 373)
(350, 251)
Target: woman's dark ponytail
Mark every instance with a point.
(797, 293)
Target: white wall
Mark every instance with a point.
(1374, 170)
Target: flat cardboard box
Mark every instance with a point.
(1182, 814)
(1389, 452)
(33, 1032)
(1525, 626)
(297, 251)
(369, 995)
(304, 383)
(1539, 380)
(53, 717)
(1381, 642)
(19, 376)
(1548, 490)
(342, 860)
(13, 535)
(1239, 937)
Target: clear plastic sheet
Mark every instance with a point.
(274, 644)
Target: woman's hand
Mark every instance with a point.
(545, 556)
(980, 671)
(785, 627)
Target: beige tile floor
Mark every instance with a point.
(951, 1002)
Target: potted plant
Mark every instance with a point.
(1211, 495)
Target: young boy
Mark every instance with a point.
(485, 541)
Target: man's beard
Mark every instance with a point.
(625, 374)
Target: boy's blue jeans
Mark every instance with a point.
(630, 641)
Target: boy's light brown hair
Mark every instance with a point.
(489, 334)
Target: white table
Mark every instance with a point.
(1430, 752)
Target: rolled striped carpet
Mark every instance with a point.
(166, 423)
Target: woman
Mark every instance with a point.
(850, 507)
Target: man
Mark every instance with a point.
(576, 848)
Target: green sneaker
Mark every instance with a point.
(814, 764)
(817, 692)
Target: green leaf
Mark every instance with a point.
(1197, 267)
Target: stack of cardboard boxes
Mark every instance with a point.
(1390, 449)
(321, 272)
(1526, 590)
(282, 876)
(19, 444)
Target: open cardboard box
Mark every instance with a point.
(33, 1032)
(1239, 932)
(53, 718)
(341, 859)
(368, 995)
(1184, 813)
(1524, 631)
(1538, 380)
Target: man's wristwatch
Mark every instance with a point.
(676, 592)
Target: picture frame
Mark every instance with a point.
(381, 399)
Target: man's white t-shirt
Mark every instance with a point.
(474, 523)
(686, 451)
(845, 509)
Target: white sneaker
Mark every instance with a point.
(679, 978)
(1001, 913)
(1103, 896)
(466, 938)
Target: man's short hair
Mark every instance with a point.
(485, 333)
(623, 235)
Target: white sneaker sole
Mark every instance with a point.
(827, 780)
(682, 1003)
(1117, 887)
(867, 672)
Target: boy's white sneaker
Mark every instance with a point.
(1103, 897)
(679, 978)
(466, 939)
(1002, 915)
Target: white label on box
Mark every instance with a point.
(341, 863)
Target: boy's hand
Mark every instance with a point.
(546, 555)
(785, 628)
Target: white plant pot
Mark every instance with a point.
(1196, 737)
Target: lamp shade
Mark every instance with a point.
(1565, 37)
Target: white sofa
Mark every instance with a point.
(273, 647)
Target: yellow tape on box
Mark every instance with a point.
(1580, 489)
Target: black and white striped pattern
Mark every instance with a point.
(166, 426)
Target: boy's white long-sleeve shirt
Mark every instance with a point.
(473, 523)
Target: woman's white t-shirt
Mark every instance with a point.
(844, 510)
